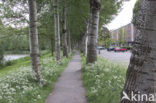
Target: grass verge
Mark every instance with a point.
(103, 81)
(14, 65)
(21, 86)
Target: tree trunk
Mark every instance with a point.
(141, 73)
(57, 30)
(33, 36)
(69, 42)
(72, 43)
(64, 32)
(83, 43)
(84, 39)
(95, 6)
(52, 46)
(86, 43)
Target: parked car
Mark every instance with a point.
(118, 49)
(110, 49)
(100, 48)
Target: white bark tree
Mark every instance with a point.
(64, 31)
(57, 30)
(69, 42)
(33, 35)
(84, 40)
(141, 73)
(95, 6)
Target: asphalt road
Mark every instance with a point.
(118, 57)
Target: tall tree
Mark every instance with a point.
(84, 39)
(57, 30)
(135, 11)
(64, 30)
(95, 6)
(33, 35)
(141, 75)
(69, 42)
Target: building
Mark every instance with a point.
(124, 35)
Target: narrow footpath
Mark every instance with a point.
(69, 88)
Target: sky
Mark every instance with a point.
(124, 17)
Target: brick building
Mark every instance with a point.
(124, 35)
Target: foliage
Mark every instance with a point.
(77, 18)
(135, 12)
(14, 39)
(109, 9)
(17, 40)
(103, 81)
(21, 86)
(104, 37)
(46, 26)
(15, 35)
(127, 47)
(14, 12)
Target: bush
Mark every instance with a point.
(9, 63)
(127, 47)
(103, 81)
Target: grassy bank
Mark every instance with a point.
(19, 85)
(13, 65)
(103, 81)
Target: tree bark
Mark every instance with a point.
(141, 73)
(64, 32)
(33, 37)
(86, 43)
(95, 6)
(72, 42)
(52, 46)
(84, 40)
(57, 30)
(69, 42)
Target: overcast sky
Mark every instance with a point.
(124, 16)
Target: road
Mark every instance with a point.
(118, 57)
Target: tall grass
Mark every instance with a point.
(103, 81)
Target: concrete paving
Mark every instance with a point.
(118, 57)
(69, 88)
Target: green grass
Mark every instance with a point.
(14, 65)
(19, 85)
(103, 81)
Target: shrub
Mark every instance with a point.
(8, 63)
(127, 47)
